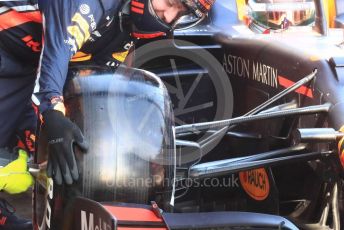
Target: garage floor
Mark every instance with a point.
(22, 203)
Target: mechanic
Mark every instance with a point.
(39, 39)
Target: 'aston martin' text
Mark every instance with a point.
(245, 68)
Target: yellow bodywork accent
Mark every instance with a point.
(330, 11)
(314, 58)
(241, 5)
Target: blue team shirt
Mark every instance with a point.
(51, 33)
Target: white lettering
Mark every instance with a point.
(84, 225)
(274, 82)
(236, 65)
(246, 68)
(128, 45)
(50, 197)
(93, 23)
(50, 188)
(224, 63)
(265, 74)
(48, 215)
(47, 212)
(239, 66)
(264, 80)
(90, 224)
(256, 76)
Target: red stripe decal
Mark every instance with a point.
(148, 36)
(138, 4)
(14, 18)
(136, 10)
(302, 90)
(132, 214)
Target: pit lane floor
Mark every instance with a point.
(22, 203)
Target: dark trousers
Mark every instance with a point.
(17, 115)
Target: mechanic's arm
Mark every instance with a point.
(66, 25)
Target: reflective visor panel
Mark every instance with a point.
(275, 14)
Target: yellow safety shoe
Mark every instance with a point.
(14, 177)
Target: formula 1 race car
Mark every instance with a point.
(224, 128)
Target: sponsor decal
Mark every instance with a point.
(113, 64)
(93, 23)
(128, 45)
(259, 72)
(34, 46)
(84, 9)
(46, 223)
(90, 224)
(245, 68)
(256, 184)
(77, 35)
(79, 31)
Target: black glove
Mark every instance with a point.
(62, 134)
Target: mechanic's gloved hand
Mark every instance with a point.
(14, 177)
(62, 134)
